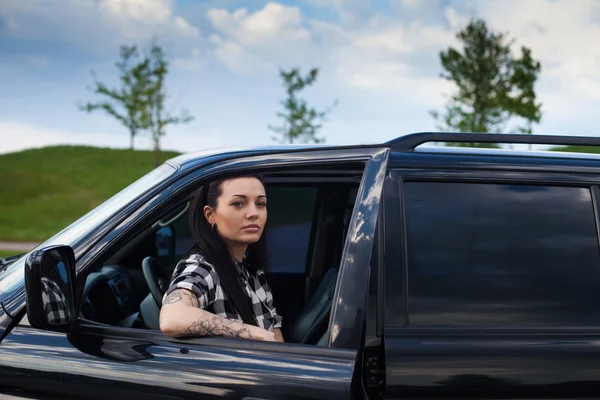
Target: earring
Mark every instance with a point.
(213, 227)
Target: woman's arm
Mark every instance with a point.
(278, 335)
(180, 316)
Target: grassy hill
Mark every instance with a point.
(578, 149)
(8, 253)
(44, 190)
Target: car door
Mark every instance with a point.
(98, 361)
(491, 284)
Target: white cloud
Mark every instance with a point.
(374, 56)
(95, 24)
(142, 18)
(153, 11)
(194, 61)
(557, 31)
(455, 19)
(239, 60)
(396, 78)
(350, 12)
(249, 42)
(391, 41)
(273, 23)
(411, 3)
(185, 28)
(393, 57)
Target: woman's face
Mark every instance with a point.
(241, 211)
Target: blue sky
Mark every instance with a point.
(379, 59)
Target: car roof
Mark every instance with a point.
(183, 158)
(506, 152)
(418, 145)
(194, 158)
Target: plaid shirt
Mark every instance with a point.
(56, 305)
(201, 278)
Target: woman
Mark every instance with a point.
(220, 288)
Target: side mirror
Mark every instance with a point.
(50, 288)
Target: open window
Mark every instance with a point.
(309, 214)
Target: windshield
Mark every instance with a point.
(92, 219)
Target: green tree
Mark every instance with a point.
(127, 103)
(155, 93)
(523, 102)
(492, 85)
(139, 103)
(300, 122)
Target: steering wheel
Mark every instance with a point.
(156, 278)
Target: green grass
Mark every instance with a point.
(578, 149)
(6, 253)
(46, 189)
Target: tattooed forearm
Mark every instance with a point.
(217, 326)
(181, 295)
(181, 316)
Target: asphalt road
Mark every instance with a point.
(17, 246)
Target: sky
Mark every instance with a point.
(379, 59)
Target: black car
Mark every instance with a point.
(400, 270)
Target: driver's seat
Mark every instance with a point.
(313, 320)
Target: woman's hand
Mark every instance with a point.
(261, 334)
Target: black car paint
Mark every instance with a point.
(98, 365)
(419, 363)
(118, 362)
(492, 363)
(479, 361)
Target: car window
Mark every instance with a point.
(498, 254)
(90, 221)
(291, 211)
(183, 238)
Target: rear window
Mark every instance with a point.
(498, 254)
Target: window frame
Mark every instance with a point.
(394, 195)
(365, 165)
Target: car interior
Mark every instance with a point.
(308, 218)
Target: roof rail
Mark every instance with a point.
(411, 141)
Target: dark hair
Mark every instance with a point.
(216, 250)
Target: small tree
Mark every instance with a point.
(523, 101)
(158, 118)
(492, 85)
(300, 122)
(127, 103)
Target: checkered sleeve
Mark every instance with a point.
(197, 276)
(56, 305)
(277, 319)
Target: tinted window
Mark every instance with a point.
(289, 224)
(501, 254)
